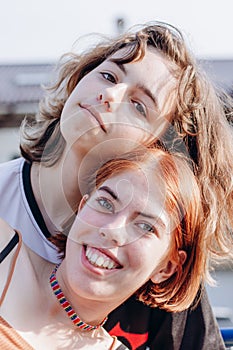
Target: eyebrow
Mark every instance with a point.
(109, 191)
(137, 213)
(147, 92)
(119, 65)
(141, 87)
(155, 218)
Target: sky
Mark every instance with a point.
(41, 31)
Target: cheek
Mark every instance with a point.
(70, 103)
(69, 246)
(87, 88)
(146, 255)
(73, 254)
(141, 131)
(68, 121)
(133, 133)
(89, 216)
(142, 254)
(70, 111)
(85, 221)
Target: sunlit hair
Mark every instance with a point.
(183, 205)
(199, 118)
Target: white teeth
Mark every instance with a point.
(96, 258)
(105, 264)
(111, 264)
(100, 261)
(88, 252)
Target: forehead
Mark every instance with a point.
(154, 71)
(142, 190)
(151, 59)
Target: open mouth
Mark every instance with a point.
(95, 114)
(99, 259)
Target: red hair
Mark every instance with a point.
(183, 203)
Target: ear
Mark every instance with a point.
(169, 268)
(83, 202)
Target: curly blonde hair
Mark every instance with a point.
(199, 119)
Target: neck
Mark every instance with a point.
(56, 191)
(65, 304)
(91, 311)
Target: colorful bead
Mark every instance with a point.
(67, 307)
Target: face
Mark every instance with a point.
(119, 236)
(114, 101)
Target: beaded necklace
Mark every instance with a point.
(67, 307)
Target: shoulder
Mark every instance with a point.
(9, 172)
(6, 233)
(11, 166)
(10, 241)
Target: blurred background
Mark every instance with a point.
(34, 34)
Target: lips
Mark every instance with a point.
(95, 114)
(100, 259)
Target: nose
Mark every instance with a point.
(114, 233)
(111, 97)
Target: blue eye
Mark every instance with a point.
(106, 204)
(109, 77)
(140, 108)
(146, 227)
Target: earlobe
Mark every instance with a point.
(169, 269)
(83, 202)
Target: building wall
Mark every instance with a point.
(9, 143)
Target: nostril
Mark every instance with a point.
(99, 97)
(107, 103)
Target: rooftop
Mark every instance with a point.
(21, 86)
(20, 83)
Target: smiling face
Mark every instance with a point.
(128, 101)
(121, 234)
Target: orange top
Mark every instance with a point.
(10, 339)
